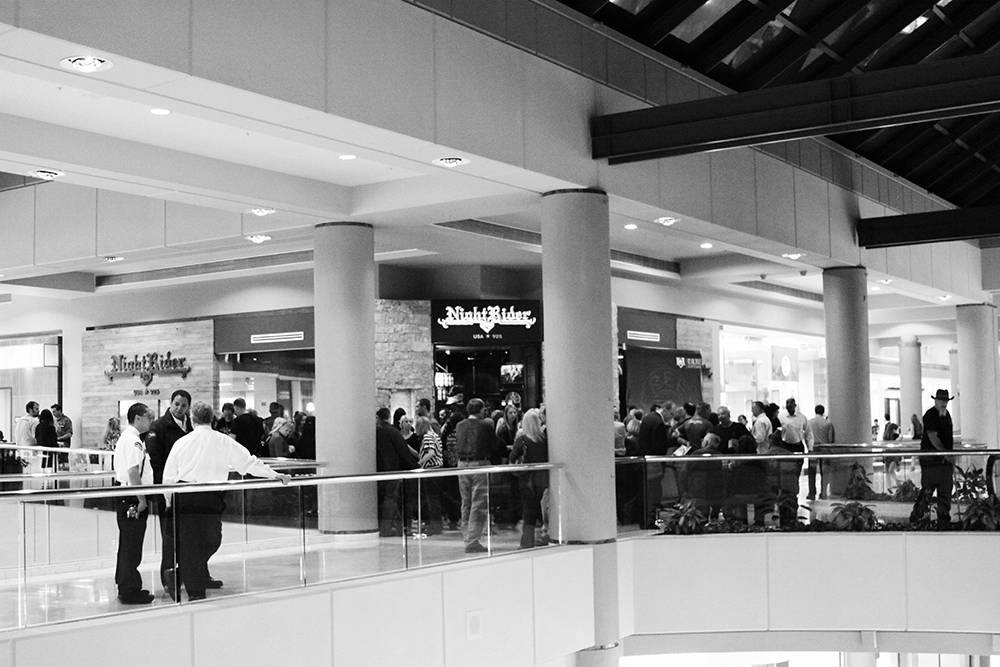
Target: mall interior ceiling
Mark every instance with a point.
(743, 45)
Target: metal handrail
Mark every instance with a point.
(57, 450)
(810, 455)
(41, 495)
(45, 476)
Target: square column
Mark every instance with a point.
(910, 381)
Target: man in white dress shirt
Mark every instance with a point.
(132, 469)
(204, 455)
(761, 428)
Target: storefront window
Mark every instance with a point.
(29, 371)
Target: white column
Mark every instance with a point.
(344, 289)
(977, 371)
(859, 659)
(909, 380)
(955, 407)
(576, 293)
(845, 301)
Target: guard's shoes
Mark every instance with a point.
(136, 597)
(475, 548)
(169, 580)
(192, 597)
(214, 583)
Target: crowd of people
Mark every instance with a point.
(696, 430)
(44, 428)
(464, 435)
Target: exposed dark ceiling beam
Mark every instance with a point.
(789, 57)
(669, 19)
(916, 93)
(907, 13)
(987, 195)
(946, 23)
(727, 33)
(916, 228)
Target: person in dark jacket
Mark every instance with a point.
(391, 454)
(163, 433)
(531, 446)
(45, 436)
(248, 428)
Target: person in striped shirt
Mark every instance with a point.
(430, 456)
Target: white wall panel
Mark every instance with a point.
(990, 268)
(287, 631)
(127, 222)
(563, 602)
(6, 654)
(152, 641)
(488, 614)
(393, 89)
(188, 224)
(262, 46)
(397, 622)
(945, 598)
(898, 261)
(812, 213)
(626, 587)
(937, 274)
(17, 227)
(836, 582)
(686, 185)
(480, 93)
(973, 259)
(65, 222)
(149, 30)
(843, 218)
(557, 134)
(775, 199)
(734, 192)
(700, 583)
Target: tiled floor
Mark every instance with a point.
(50, 596)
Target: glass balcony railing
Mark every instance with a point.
(854, 491)
(58, 561)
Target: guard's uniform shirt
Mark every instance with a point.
(129, 452)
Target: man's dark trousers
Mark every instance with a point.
(130, 537)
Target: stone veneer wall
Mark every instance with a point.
(194, 340)
(404, 355)
(702, 335)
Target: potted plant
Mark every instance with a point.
(854, 516)
(683, 518)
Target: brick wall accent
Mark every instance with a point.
(701, 335)
(193, 340)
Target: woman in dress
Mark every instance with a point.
(45, 436)
(430, 489)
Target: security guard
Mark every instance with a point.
(132, 469)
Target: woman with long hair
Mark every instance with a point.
(430, 488)
(531, 446)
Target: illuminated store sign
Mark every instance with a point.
(484, 322)
(147, 366)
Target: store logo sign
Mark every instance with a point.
(147, 366)
(486, 318)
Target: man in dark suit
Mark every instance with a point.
(391, 454)
(163, 433)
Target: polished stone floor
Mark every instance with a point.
(278, 559)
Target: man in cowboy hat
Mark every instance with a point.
(936, 471)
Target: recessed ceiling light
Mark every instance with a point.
(47, 174)
(86, 64)
(874, 288)
(665, 220)
(258, 238)
(706, 246)
(450, 162)
(159, 111)
(631, 226)
(793, 255)
(944, 297)
(111, 259)
(885, 281)
(347, 156)
(261, 211)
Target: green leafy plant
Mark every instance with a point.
(922, 518)
(906, 492)
(854, 516)
(788, 509)
(970, 485)
(682, 518)
(859, 484)
(982, 514)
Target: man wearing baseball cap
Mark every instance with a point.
(936, 471)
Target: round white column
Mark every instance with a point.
(909, 380)
(578, 368)
(977, 371)
(955, 407)
(845, 301)
(344, 289)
